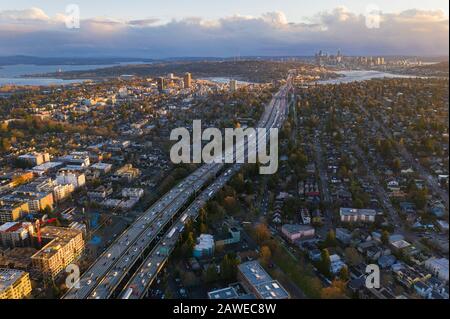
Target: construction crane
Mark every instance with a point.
(40, 222)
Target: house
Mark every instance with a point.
(423, 289)
(343, 235)
(315, 254)
(438, 267)
(438, 210)
(336, 264)
(386, 261)
(408, 207)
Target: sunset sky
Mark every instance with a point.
(223, 28)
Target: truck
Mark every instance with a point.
(127, 293)
(172, 231)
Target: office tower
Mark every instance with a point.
(233, 85)
(161, 84)
(187, 80)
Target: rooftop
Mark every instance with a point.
(9, 277)
(224, 293)
(262, 282)
(59, 237)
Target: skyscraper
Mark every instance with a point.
(161, 84)
(233, 85)
(187, 80)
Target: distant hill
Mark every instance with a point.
(23, 59)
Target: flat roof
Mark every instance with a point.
(262, 282)
(61, 236)
(224, 293)
(9, 277)
(356, 211)
(295, 228)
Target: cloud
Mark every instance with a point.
(414, 32)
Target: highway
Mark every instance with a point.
(101, 280)
(126, 243)
(138, 285)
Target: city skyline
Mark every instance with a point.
(277, 30)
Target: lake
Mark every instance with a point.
(16, 74)
(358, 75)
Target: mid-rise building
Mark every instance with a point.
(14, 284)
(35, 159)
(126, 172)
(77, 179)
(12, 210)
(62, 246)
(357, 215)
(16, 234)
(257, 281)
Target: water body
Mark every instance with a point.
(358, 75)
(223, 80)
(18, 74)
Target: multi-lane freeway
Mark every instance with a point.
(147, 273)
(143, 239)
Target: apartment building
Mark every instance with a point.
(62, 246)
(14, 284)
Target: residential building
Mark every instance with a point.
(61, 247)
(336, 264)
(16, 234)
(439, 267)
(35, 159)
(233, 236)
(126, 172)
(257, 281)
(295, 232)
(14, 284)
(77, 179)
(357, 215)
(12, 210)
(204, 246)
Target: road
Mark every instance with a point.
(109, 270)
(140, 282)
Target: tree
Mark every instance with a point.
(335, 291)
(211, 273)
(262, 233)
(343, 274)
(228, 267)
(352, 256)
(385, 237)
(330, 241)
(265, 255)
(325, 263)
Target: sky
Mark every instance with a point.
(155, 29)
